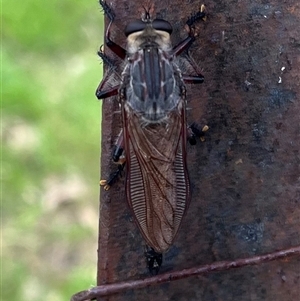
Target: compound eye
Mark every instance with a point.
(160, 24)
(134, 26)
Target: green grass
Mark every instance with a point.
(50, 147)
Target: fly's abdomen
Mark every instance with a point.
(157, 184)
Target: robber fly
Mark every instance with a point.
(152, 144)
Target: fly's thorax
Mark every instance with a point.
(151, 78)
(153, 91)
(150, 36)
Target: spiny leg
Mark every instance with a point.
(187, 42)
(111, 91)
(195, 132)
(193, 79)
(117, 49)
(119, 158)
(113, 178)
(154, 260)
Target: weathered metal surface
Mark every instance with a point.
(220, 266)
(245, 176)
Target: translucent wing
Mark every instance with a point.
(157, 184)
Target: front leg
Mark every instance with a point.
(187, 42)
(184, 46)
(117, 49)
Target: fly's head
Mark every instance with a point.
(148, 31)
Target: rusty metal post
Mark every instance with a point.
(245, 176)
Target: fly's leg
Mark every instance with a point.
(118, 153)
(190, 79)
(200, 15)
(154, 260)
(108, 92)
(193, 79)
(118, 157)
(101, 92)
(106, 59)
(187, 42)
(113, 178)
(195, 133)
(117, 49)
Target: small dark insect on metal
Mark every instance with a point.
(152, 144)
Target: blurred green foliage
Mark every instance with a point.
(50, 147)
